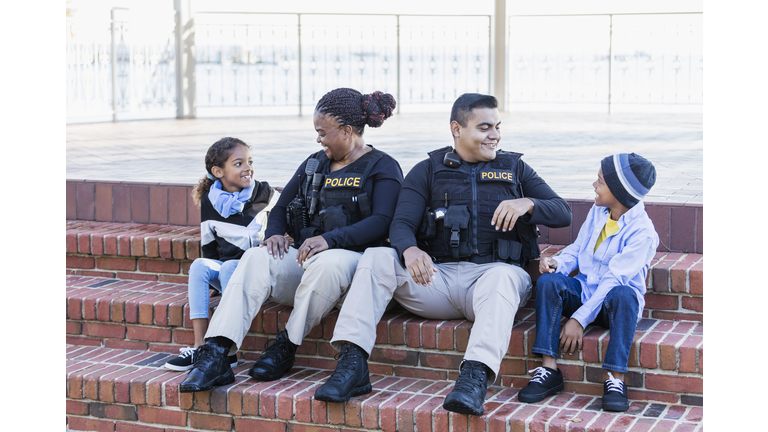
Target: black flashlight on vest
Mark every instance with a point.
(317, 183)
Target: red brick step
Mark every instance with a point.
(666, 360)
(164, 253)
(111, 389)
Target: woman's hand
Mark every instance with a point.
(310, 247)
(419, 265)
(276, 244)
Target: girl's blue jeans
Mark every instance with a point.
(202, 273)
(558, 295)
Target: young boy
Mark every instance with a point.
(612, 252)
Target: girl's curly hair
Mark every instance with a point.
(217, 155)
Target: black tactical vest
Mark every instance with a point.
(467, 196)
(343, 200)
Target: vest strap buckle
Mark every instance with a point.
(454, 236)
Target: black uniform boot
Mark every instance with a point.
(468, 395)
(211, 368)
(277, 359)
(350, 377)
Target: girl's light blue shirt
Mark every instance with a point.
(621, 259)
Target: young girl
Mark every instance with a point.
(233, 212)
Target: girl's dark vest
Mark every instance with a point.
(468, 196)
(343, 200)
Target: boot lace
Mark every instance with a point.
(541, 375)
(204, 353)
(347, 366)
(471, 377)
(614, 384)
(275, 349)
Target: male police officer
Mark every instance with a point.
(465, 227)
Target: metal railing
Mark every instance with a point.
(113, 74)
(291, 60)
(124, 68)
(606, 61)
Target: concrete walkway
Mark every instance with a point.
(564, 148)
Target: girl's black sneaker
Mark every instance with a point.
(186, 360)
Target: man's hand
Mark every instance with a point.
(276, 244)
(508, 211)
(547, 265)
(310, 247)
(419, 265)
(570, 336)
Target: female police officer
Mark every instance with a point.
(340, 201)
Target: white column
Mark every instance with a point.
(499, 53)
(186, 102)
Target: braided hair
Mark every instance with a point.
(217, 155)
(350, 107)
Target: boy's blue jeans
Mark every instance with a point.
(202, 272)
(558, 295)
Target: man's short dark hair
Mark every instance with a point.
(462, 108)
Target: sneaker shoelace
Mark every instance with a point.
(187, 352)
(541, 374)
(614, 384)
(470, 378)
(347, 364)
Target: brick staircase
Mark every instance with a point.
(127, 314)
(129, 248)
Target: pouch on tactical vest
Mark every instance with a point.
(456, 222)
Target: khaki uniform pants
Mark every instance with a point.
(487, 294)
(313, 290)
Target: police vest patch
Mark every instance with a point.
(342, 182)
(492, 175)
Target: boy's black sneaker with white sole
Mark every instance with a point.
(615, 395)
(545, 382)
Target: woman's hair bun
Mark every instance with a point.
(377, 107)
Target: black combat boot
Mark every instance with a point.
(468, 395)
(350, 377)
(277, 359)
(212, 368)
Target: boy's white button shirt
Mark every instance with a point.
(621, 259)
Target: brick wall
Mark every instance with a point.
(680, 226)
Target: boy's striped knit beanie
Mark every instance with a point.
(628, 176)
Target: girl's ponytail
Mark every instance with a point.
(201, 188)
